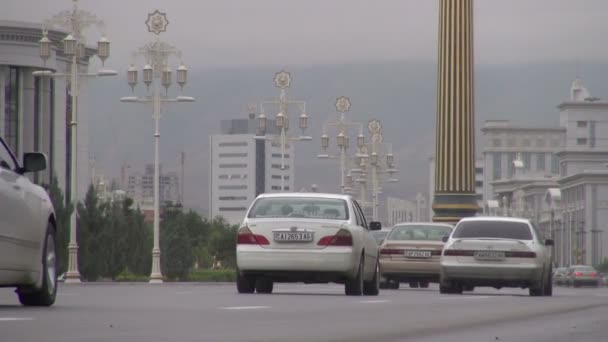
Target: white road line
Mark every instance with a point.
(67, 294)
(465, 297)
(184, 292)
(374, 301)
(601, 294)
(244, 307)
(12, 319)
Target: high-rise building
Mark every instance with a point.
(140, 188)
(242, 167)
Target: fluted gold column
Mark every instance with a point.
(455, 146)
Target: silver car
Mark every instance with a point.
(27, 231)
(496, 252)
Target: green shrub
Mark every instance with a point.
(128, 276)
(224, 275)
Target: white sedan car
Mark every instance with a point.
(310, 238)
(27, 231)
(496, 252)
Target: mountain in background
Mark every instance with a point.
(400, 94)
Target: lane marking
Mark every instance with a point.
(465, 297)
(184, 292)
(601, 294)
(12, 319)
(374, 301)
(67, 294)
(244, 307)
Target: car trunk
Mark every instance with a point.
(490, 250)
(294, 233)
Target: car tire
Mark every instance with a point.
(424, 284)
(46, 294)
(372, 287)
(384, 285)
(244, 283)
(538, 289)
(449, 287)
(414, 284)
(354, 287)
(394, 285)
(264, 285)
(468, 288)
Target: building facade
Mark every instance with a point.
(242, 167)
(140, 188)
(35, 112)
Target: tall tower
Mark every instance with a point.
(454, 196)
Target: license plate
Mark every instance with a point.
(417, 254)
(292, 236)
(489, 255)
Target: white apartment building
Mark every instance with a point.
(242, 167)
(140, 187)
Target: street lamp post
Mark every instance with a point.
(342, 139)
(282, 80)
(157, 73)
(75, 22)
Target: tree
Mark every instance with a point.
(177, 257)
(91, 254)
(62, 221)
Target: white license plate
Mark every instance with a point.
(489, 255)
(292, 236)
(417, 254)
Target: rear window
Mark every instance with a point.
(423, 232)
(299, 207)
(493, 229)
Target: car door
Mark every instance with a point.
(371, 247)
(13, 248)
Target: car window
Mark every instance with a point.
(493, 229)
(314, 208)
(6, 158)
(360, 211)
(540, 236)
(379, 235)
(422, 232)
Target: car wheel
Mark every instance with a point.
(384, 284)
(538, 289)
(372, 287)
(468, 288)
(46, 294)
(424, 284)
(354, 287)
(264, 285)
(548, 291)
(394, 285)
(245, 284)
(414, 284)
(449, 287)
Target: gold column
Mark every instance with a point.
(455, 146)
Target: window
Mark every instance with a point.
(233, 208)
(511, 142)
(233, 187)
(233, 155)
(496, 166)
(6, 159)
(525, 143)
(581, 124)
(302, 207)
(233, 198)
(419, 232)
(278, 155)
(235, 166)
(357, 207)
(278, 166)
(11, 108)
(223, 177)
(527, 159)
(479, 184)
(496, 142)
(233, 144)
(510, 167)
(581, 141)
(540, 142)
(275, 177)
(493, 229)
(540, 162)
(554, 164)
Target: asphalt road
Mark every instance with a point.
(214, 312)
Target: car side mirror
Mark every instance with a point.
(34, 162)
(445, 238)
(549, 242)
(375, 225)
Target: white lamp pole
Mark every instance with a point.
(282, 80)
(74, 46)
(156, 54)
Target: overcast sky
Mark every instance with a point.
(285, 32)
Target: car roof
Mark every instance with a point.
(495, 218)
(305, 195)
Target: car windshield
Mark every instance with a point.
(493, 230)
(380, 235)
(421, 232)
(299, 207)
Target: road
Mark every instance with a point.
(215, 312)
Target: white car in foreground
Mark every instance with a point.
(496, 252)
(27, 231)
(309, 238)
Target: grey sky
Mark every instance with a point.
(285, 32)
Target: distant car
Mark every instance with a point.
(380, 235)
(309, 238)
(582, 275)
(27, 231)
(559, 276)
(496, 252)
(411, 253)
